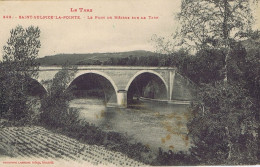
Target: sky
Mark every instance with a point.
(92, 35)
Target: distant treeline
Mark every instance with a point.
(152, 60)
(89, 58)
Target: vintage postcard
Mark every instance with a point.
(129, 83)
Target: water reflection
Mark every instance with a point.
(155, 125)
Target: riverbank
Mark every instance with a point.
(37, 144)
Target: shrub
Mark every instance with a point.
(225, 120)
(171, 158)
(55, 110)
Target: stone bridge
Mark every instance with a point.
(174, 86)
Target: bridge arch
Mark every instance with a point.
(146, 71)
(96, 73)
(36, 88)
(78, 74)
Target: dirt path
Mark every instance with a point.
(38, 144)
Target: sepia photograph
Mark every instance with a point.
(129, 83)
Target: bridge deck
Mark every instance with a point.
(50, 68)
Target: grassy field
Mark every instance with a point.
(39, 144)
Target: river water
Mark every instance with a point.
(153, 124)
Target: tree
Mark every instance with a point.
(215, 24)
(18, 66)
(224, 129)
(55, 109)
(251, 70)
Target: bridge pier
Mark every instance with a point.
(122, 98)
(171, 81)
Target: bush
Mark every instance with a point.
(171, 158)
(224, 120)
(55, 110)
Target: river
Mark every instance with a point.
(153, 124)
